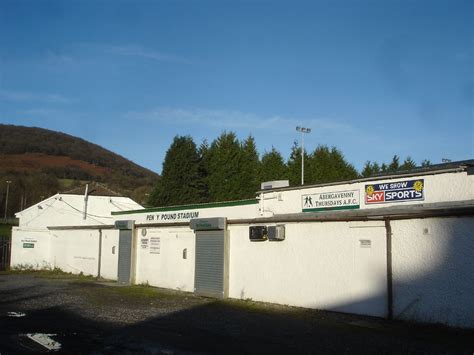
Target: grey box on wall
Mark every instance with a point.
(276, 233)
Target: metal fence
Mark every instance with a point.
(5, 249)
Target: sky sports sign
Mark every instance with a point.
(401, 191)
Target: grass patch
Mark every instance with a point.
(6, 229)
(139, 291)
(48, 273)
(136, 296)
(53, 274)
(65, 183)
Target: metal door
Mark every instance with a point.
(369, 269)
(210, 264)
(124, 256)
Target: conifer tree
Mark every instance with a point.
(394, 165)
(370, 169)
(342, 169)
(425, 163)
(203, 152)
(249, 169)
(180, 180)
(294, 166)
(328, 165)
(408, 164)
(273, 167)
(223, 164)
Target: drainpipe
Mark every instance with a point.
(100, 253)
(388, 229)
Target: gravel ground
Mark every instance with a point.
(100, 318)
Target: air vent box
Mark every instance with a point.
(276, 233)
(258, 233)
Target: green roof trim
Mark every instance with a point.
(338, 208)
(191, 207)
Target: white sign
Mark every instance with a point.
(172, 216)
(155, 245)
(330, 201)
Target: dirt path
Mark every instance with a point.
(91, 317)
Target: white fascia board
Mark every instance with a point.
(18, 214)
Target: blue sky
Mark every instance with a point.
(373, 78)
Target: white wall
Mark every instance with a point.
(75, 251)
(318, 265)
(167, 269)
(446, 187)
(67, 210)
(37, 257)
(72, 251)
(433, 270)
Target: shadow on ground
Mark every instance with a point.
(209, 326)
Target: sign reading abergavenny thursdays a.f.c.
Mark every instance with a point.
(330, 201)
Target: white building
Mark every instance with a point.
(34, 245)
(396, 246)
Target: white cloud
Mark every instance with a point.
(10, 95)
(58, 58)
(38, 112)
(230, 119)
(139, 51)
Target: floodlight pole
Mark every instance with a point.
(303, 130)
(6, 198)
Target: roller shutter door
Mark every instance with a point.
(124, 257)
(209, 277)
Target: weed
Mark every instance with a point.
(48, 272)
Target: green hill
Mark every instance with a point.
(41, 162)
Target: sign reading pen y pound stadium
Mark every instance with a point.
(408, 190)
(330, 201)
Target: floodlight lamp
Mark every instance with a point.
(303, 129)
